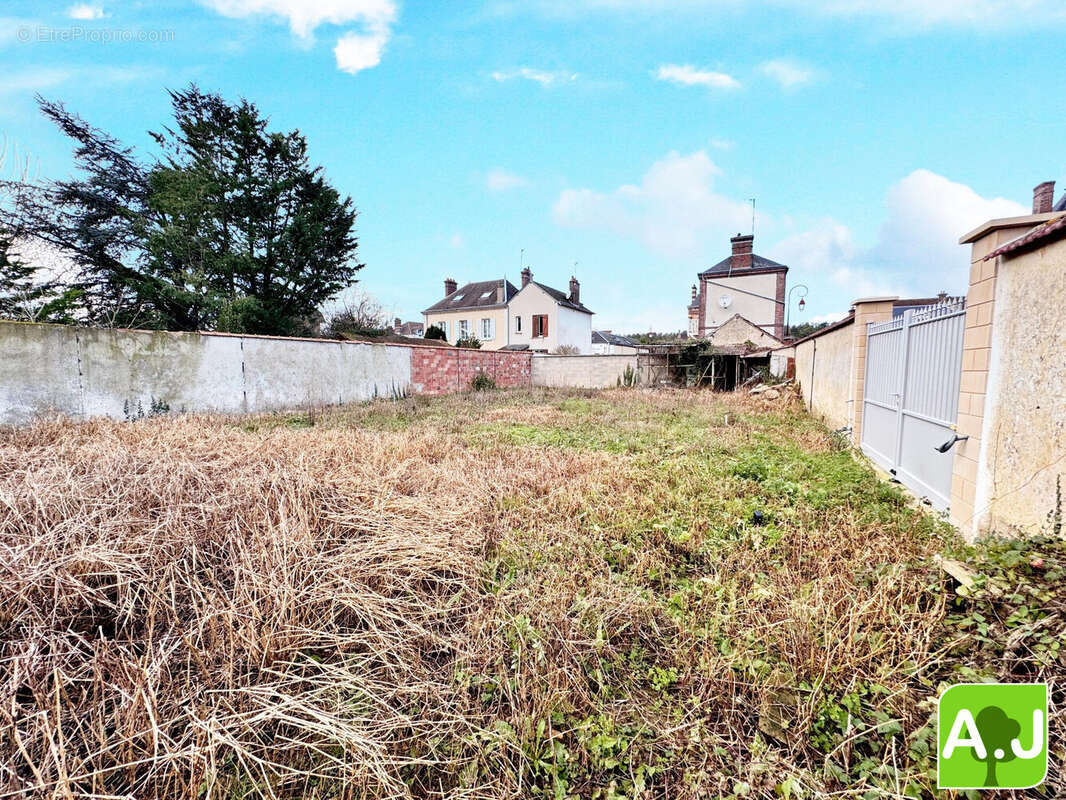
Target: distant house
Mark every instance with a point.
(607, 343)
(412, 330)
(500, 315)
(744, 284)
(545, 319)
(477, 310)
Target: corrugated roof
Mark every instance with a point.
(479, 294)
(758, 263)
(1042, 231)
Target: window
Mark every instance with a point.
(517, 324)
(464, 329)
(540, 325)
(488, 331)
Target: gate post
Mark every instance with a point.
(867, 310)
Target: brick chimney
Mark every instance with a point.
(501, 293)
(1044, 197)
(527, 276)
(693, 293)
(741, 258)
(575, 290)
(396, 324)
(450, 286)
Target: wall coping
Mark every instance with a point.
(991, 225)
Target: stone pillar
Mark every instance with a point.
(967, 502)
(867, 310)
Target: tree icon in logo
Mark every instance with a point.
(997, 730)
(992, 735)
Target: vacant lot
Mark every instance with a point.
(531, 594)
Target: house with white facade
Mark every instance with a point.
(500, 315)
(545, 319)
(745, 284)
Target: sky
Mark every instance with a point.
(621, 141)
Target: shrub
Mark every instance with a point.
(567, 350)
(470, 342)
(435, 332)
(482, 381)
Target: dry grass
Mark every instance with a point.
(505, 595)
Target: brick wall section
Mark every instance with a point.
(873, 309)
(445, 370)
(779, 311)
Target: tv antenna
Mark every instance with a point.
(752, 216)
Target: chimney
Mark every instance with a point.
(500, 293)
(396, 324)
(1044, 197)
(741, 252)
(450, 286)
(693, 293)
(575, 290)
(527, 276)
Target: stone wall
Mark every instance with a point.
(589, 372)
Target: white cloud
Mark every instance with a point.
(355, 50)
(543, 77)
(500, 180)
(674, 210)
(830, 318)
(789, 74)
(359, 51)
(85, 11)
(916, 251)
(723, 144)
(687, 75)
(456, 241)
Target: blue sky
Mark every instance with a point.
(624, 135)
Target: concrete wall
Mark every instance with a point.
(824, 375)
(590, 372)
(98, 372)
(1012, 397)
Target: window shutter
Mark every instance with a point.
(545, 324)
(492, 329)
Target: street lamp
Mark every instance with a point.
(788, 307)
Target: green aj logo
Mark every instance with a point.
(992, 735)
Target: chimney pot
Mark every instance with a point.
(527, 276)
(450, 286)
(693, 291)
(1044, 197)
(575, 290)
(397, 322)
(742, 246)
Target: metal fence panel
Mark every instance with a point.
(910, 403)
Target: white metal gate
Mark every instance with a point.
(911, 396)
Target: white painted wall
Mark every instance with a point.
(575, 329)
(752, 296)
(565, 326)
(98, 372)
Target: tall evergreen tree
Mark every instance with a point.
(229, 227)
